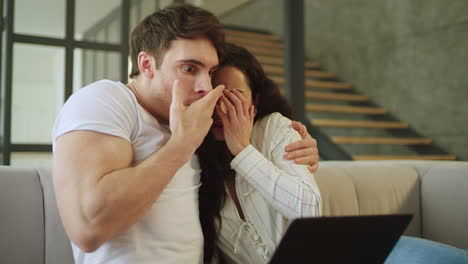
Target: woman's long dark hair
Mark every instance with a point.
(215, 157)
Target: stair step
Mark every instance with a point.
(312, 64)
(358, 124)
(404, 157)
(317, 84)
(245, 34)
(274, 60)
(346, 109)
(243, 41)
(319, 74)
(381, 140)
(263, 40)
(336, 96)
(270, 60)
(272, 69)
(328, 85)
(269, 51)
(262, 51)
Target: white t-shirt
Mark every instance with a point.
(170, 231)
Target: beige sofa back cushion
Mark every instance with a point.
(364, 189)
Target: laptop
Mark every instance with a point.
(349, 239)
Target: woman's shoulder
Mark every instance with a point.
(274, 122)
(271, 128)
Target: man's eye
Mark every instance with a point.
(188, 68)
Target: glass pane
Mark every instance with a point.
(147, 7)
(113, 32)
(165, 3)
(101, 36)
(38, 87)
(30, 159)
(2, 89)
(43, 18)
(139, 10)
(98, 17)
(217, 7)
(92, 65)
(134, 14)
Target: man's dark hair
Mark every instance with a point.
(155, 33)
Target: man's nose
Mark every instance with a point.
(204, 85)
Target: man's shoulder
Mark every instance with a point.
(103, 92)
(103, 106)
(105, 87)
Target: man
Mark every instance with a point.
(125, 174)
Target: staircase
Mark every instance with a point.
(348, 119)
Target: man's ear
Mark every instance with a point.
(146, 64)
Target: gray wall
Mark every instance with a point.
(257, 14)
(409, 56)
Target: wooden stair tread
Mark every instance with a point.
(246, 34)
(312, 64)
(262, 40)
(263, 59)
(328, 85)
(337, 96)
(358, 123)
(265, 51)
(404, 157)
(346, 109)
(253, 42)
(381, 140)
(319, 74)
(273, 69)
(279, 61)
(317, 84)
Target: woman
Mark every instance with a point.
(250, 132)
(250, 192)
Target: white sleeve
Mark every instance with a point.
(290, 188)
(103, 107)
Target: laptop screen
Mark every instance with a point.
(348, 239)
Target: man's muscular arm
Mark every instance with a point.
(100, 195)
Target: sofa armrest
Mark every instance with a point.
(22, 216)
(57, 245)
(444, 198)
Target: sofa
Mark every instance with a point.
(435, 192)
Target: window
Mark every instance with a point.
(49, 49)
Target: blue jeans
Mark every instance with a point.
(413, 250)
